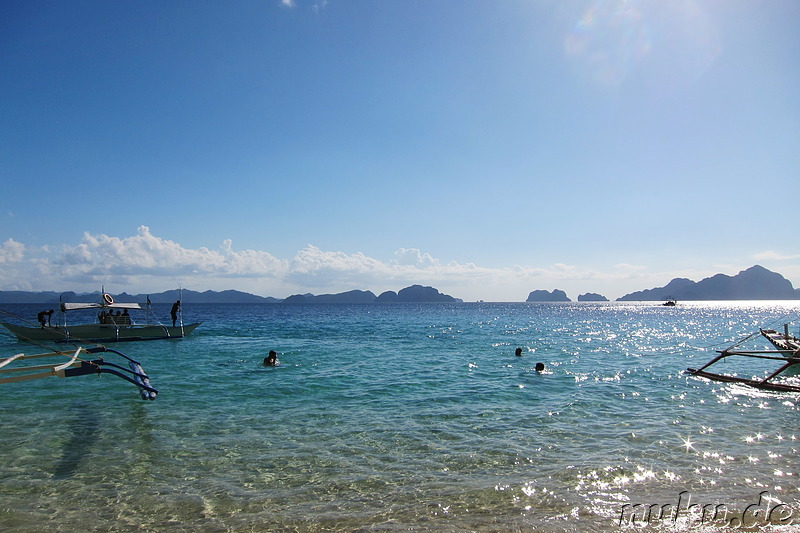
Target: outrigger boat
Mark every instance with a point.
(76, 366)
(114, 324)
(785, 342)
(787, 351)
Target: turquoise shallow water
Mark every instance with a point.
(404, 418)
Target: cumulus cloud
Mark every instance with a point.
(771, 255)
(311, 260)
(11, 252)
(413, 257)
(313, 267)
(145, 262)
(146, 254)
(316, 6)
(251, 263)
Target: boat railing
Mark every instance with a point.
(116, 320)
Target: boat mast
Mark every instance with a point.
(180, 309)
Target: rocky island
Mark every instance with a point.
(412, 294)
(755, 283)
(592, 297)
(545, 296)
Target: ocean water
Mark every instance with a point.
(411, 418)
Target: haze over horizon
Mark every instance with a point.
(486, 149)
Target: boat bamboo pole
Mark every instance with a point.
(781, 369)
(180, 310)
(51, 366)
(12, 358)
(28, 377)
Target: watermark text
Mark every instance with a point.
(765, 511)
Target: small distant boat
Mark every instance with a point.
(671, 302)
(76, 365)
(786, 352)
(114, 324)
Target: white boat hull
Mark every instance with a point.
(100, 332)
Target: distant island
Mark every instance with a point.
(412, 294)
(166, 297)
(557, 295)
(592, 297)
(545, 296)
(755, 283)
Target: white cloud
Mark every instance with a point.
(316, 6)
(11, 252)
(770, 255)
(311, 260)
(251, 263)
(145, 262)
(146, 254)
(413, 257)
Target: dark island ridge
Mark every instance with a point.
(755, 283)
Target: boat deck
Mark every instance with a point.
(781, 341)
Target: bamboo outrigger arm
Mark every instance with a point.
(79, 367)
(764, 384)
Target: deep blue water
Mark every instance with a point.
(403, 417)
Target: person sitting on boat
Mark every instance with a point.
(174, 312)
(41, 317)
(271, 359)
(114, 318)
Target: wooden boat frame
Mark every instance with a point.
(76, 366)
(787, 351)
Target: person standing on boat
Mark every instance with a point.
(174, 312)
(41, 317)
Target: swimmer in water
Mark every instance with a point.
(271, 359)
(518, 352)
(540, 367)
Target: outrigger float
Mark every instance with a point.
(787, 351)
(77, 366)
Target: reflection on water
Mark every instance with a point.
(404, 418)
(82, 435)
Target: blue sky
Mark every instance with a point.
(486, 148)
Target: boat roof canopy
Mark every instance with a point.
(68, 306)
